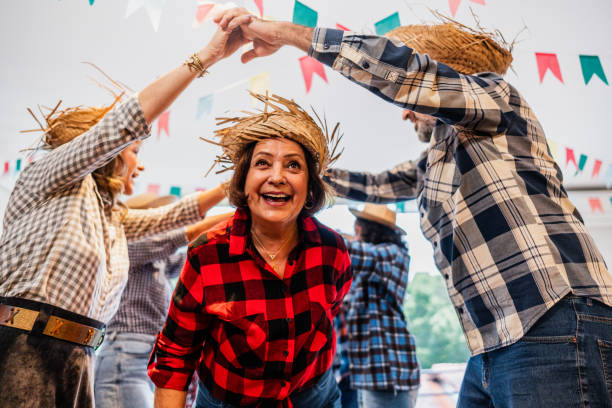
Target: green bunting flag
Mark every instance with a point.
(304, 15)
(387, 24)
(591, 65)
(174, 190)
(581, 162)
(91, 2)
(18, 165)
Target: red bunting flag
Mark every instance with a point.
(341, 27)
(595, 204)
(162, 123)
(569, 157)
(153, 188)
(454, 5)
(259, 4)
(548, 62)
(202, 11)
(596, 168)
(6, 167)
(311, 66)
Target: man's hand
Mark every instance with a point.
(267, 36)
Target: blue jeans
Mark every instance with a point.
(324, 394)
(121, 378)
(565, 360)
(387, 399)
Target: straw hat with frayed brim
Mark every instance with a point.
(61, 126)
(281, 118)
(149, 200)
(380, 214)
(464, 49)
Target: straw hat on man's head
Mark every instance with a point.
(280, 118)
(466, 50)
(380, 214)
(149, 200)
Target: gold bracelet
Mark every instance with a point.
(195, 65)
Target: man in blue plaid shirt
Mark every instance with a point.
(531, 290)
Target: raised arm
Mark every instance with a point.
(157, 247)
(401, 183)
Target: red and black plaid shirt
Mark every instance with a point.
(256, 338)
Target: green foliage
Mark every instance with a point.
(433, 322)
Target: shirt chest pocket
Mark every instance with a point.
(442, 177)
(242, 337)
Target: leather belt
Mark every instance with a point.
(58, 327)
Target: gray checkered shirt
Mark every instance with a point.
(506, 238)
(58, 245)
(145, 300)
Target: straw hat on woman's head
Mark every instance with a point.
(380, 214)
(466, 50)
(280, 118)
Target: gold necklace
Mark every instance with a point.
(263, 248)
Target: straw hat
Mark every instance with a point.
(466, 50)
(149, 200)
(280, 118)
(380, 214)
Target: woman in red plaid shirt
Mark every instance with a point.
(254, 306)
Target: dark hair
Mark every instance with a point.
(318, 191)
(376, 233)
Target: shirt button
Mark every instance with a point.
(283, 384)
(446, 276)
(460, 310)
(291, 262)
(326, 45)
(287, 320)
(285, 353)
(365, 65)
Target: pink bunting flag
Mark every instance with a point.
(595, 204)
(548, 62)
(309, 67)
(259, 4)
(569, 157)
(153, 188)
(202, 11)
(341, 27)
(6, 167)
(162, 123)
(454, 5)
(596, 169)
(478, 2)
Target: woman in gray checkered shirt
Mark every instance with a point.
(63, 251)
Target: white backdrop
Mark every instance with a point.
(43, 43)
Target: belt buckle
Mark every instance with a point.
(101, 339)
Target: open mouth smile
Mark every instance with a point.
(276, 197)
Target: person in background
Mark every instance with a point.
(253, 308)
(379, 349)
(63, 249)
(530, 288)
(121, 364)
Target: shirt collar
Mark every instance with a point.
(241, 225)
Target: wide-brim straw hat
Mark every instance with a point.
(380, 214)
(149, 200)
(280, 118)
(462, 48)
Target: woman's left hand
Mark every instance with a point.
(228, 37)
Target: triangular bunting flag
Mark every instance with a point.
(387, 24)
(341, 27)
(205, 105)
(259, 4)
(153, 8)
(259, 84)
(548, 62)
(454, 5)
(478, 2)
(162, 123)
(552, 146)
(400, 207)
(6, 167)
(311, 66)
(595, 204)
(581, 162)
(202, 11)
(591, 65)
(304, 15)
(174, 190)
(596, 168)
(153, 188)
(569, 157)
(608, 176)
(18, 165)
(91, 2)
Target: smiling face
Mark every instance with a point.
(133, 166)
(276, 184)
